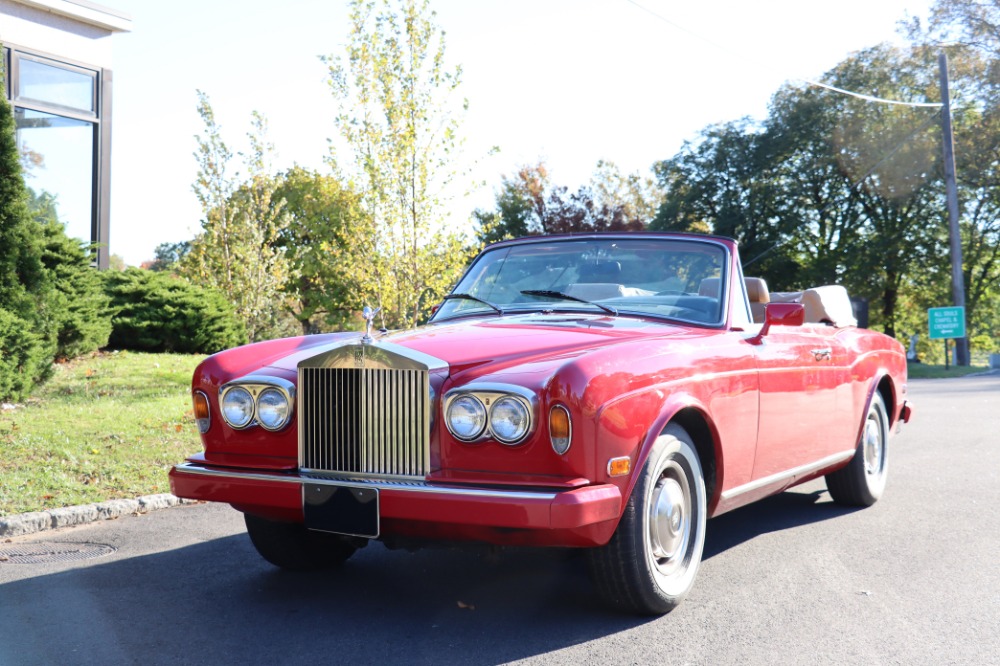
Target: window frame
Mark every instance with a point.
(100, 118)
(41, 105)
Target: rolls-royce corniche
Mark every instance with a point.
(609, 392)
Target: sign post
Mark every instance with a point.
(945, 324)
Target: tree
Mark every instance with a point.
(80, 309)
(970, 33)
(517, 203)
(971, 24)
(27, 326)
(864, 178)
(528, 203)
(829, 188)
(323, 216)
(399, 121)
(724, 183)
(237, 251)
(167, 257)
(637, 197)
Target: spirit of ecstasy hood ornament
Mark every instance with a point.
(369, 317)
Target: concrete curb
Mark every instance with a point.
(29, 523)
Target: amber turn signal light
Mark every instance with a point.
(560, 429)
(619, 466)
(202, 414)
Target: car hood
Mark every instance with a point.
(468, 343)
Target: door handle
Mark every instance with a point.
(824, 354)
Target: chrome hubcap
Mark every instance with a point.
(873, 447)
(670, 520)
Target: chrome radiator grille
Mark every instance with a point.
(364, 421)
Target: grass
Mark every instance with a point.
(106, 426)
(926, 371)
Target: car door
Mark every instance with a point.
(802, 377)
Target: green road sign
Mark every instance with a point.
(946, 322)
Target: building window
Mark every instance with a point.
(44, 82)
(59, 157)
(62, 136)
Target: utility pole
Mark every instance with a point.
(951, 187)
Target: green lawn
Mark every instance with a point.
(925, 371)
(106, 426)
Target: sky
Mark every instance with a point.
(566, 82)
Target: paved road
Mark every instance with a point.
(792, 580)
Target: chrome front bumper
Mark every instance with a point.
(584, 515)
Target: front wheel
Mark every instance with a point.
(862, 481)
(651, 562)
(291, 546)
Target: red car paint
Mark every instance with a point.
(767, 411)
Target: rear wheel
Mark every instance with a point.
(862, 481)
(291, 546)
(651, 562)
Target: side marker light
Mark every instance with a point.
(619, 466)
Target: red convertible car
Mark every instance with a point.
(607, 391)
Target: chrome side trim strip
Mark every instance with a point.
(783, 476)
(411, 486)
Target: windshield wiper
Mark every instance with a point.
(566, 297)
(470, 297)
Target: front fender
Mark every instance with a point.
(630, 425)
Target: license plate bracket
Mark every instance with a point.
(341, 508)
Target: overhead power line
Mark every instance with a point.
(818, 84)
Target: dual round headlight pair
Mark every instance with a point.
(508, 417)
(243, 404)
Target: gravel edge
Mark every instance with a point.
(40, 521)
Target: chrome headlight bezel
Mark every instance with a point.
(476, 406)
(255, 386)
(522, 408)
(227, 397)
(286, 407)
(488, 395)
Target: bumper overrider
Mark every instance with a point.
(583, 516)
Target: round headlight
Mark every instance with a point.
(509, 420)
(273, 409)
(237, 407)
(466, 417)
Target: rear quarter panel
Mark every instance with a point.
(876, 361)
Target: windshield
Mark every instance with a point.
(677, 279)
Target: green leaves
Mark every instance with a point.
(399, 124)
(324, 215)
(237, 252)
(528, 203)
(157, 312)
(829, 188)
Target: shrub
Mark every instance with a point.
(27, 326)
(160, 313)
(80, 308)
(22, 355)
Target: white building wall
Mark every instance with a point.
(78, 31)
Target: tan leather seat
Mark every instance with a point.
(759, 297)
(786, 296)
(829, 305)
(709, 287)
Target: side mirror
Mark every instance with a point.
(780, 314)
